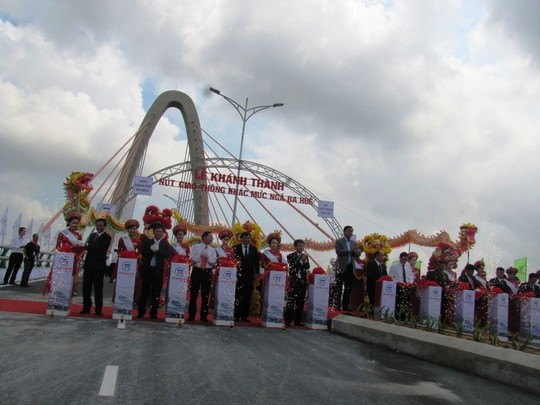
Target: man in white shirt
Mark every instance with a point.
(204, 258)
(400, 272)
(16, 256)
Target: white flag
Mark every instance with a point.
(46, 239)
(3, 229)
(29, 228)
(17, 225)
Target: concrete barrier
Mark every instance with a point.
(508, 366)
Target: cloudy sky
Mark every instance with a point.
(407, 114)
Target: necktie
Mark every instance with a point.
(245, 250)
(404, 275)
(204, 259)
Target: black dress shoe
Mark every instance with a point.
(153, 316)
(99, 313)
(299, 324)
(24, 285)
(204, 319)
(245, 319)
(84, 311)
(191, 319)
(140, 315)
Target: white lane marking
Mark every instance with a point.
(121, 324)
(109, 381)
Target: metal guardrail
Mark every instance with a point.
(44, 259)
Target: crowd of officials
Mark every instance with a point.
(353, 279)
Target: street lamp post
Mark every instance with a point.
(177, 202)
(245, 114)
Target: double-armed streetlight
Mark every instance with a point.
(245, 114)
(178, 203)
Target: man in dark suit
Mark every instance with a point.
(298, 265)
(95, 265)
(498, 281)
(468, 277)
(248, 265)
(346, 251)
(375, 269)
(155, 253)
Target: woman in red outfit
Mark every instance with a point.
(69, 240)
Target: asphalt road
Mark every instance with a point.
(58, 360)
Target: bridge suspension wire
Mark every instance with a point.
(113, 170)
(313, 223)
(60, 211)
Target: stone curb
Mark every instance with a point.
(508, 366)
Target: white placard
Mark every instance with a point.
(498, 314)
(385, 297)
(273, 302)
(142, 185)
(225, 294)
(317, 313)
(530, 318)
(125, 286)
(325, 209)
(106, 207)
(61, 284)
(430, 303)
(177, 293)
(465, 309)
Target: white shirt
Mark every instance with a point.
(16, 244)
(396, 272)
(197, 251)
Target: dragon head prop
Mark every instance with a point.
(77, 187)
(252, 228)
(374, 242)
(152, 215)
(443, 255)
(467, 234)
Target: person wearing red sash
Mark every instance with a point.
(69, 240)
(271, 258)
(179, 248)
(128, 247)
(224, 251)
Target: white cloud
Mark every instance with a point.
(410, 115)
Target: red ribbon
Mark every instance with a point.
(428, 283)
(462, 285)
(128, 254)
(385, 278)
(271, 267)
(316, 270)
(180, 259)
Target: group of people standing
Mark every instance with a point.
(22, 251)
(155, 252)
(355, 277)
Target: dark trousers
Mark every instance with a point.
(296, 298)
(93, 278)
(152, 277)
(28, 266)
(200, 280)
(242, 299)
(15, 261)
(343, 286)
